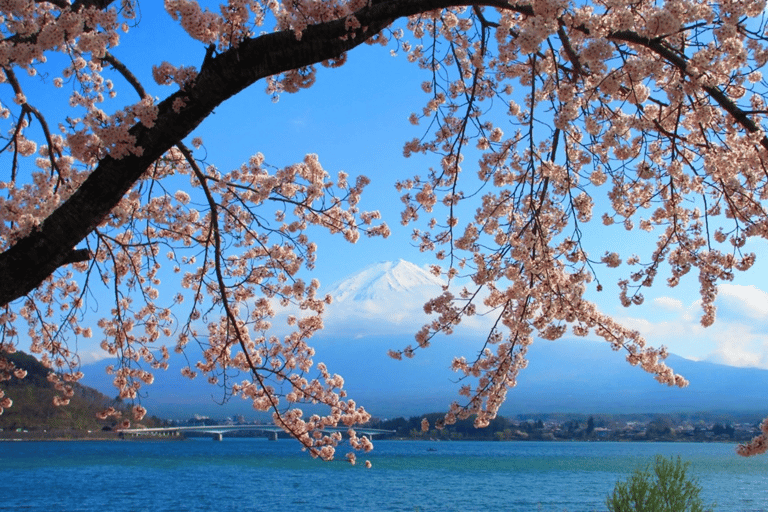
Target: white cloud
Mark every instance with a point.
(656, 330)
(405, 314)
(737, 338)
(741, 351)
(748, 300)
(667, 303)
(92, 356)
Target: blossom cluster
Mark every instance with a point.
(646, 116)
(248, 265)
(758, 445)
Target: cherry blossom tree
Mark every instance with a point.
(541, 115)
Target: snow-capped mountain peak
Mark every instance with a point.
(389, 281)
(383, 297)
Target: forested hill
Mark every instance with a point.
(33, 408)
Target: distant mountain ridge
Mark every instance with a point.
(381, 308)
(565, 376)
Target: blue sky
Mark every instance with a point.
(356, 119)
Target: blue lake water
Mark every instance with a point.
(255, 474)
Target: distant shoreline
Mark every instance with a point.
(116, 437)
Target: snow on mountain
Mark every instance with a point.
(385, 280)
(383, 295)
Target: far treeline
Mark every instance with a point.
(603, 427)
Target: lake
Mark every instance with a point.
(254, 474)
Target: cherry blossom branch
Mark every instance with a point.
(607, 80)
(217, 255)
(33, 258)
(127, 74)
(657, 46)
(27, 108)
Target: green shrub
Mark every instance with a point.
(663, 488)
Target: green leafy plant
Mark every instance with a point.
(663, 488)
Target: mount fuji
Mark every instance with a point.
(385, 280)
(384, 297)
(381, 308)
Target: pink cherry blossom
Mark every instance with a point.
(545, 116)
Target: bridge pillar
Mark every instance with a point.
(218, 436)
(272, 436)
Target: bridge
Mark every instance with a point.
(218, 431)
